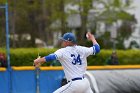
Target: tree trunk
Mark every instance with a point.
(13, 20)
(33, 32)
(84, 14)
(63, 23)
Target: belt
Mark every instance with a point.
(77, 78)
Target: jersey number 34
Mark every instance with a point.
(76, 59)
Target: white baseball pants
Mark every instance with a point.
(77, 86)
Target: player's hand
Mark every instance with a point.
(37, 62)
(90, 36)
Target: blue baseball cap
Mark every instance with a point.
(69, 37)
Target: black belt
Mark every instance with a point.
(77, 78)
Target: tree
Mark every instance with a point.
(114, 10)
(85, 6)
(37, 17)
(25, 20)
(2, 26)
(2, 2)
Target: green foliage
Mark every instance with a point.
(25, 57)
(125, 57)
(2, 30)
(38, 19)
(113, 11)
(2, 50)
(116, 3)
(2, 2)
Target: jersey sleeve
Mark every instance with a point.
(88, 51)
(59, 54)
(92, 50)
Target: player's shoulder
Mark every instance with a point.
(60, 50)
(81, 47)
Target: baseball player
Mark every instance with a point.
(74, 62)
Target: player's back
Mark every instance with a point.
(73, 60)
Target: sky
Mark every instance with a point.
(136, 10)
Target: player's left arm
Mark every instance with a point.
(42, 60)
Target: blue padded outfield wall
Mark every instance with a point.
(25, 81)
(4, 82)
(49, 81)
(125, 79)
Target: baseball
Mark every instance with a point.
(87, 35)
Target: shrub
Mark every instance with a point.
(125, 57)
(25, 56)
